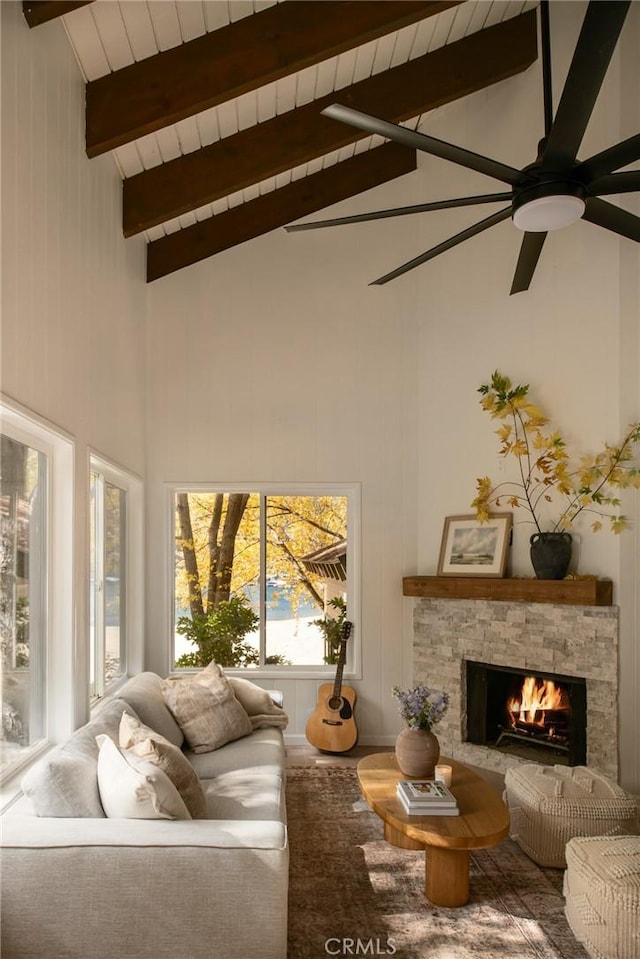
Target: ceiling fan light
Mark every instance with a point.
(548, 213)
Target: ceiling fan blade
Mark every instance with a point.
(545, 49)
(626, 182)
(596, 43)
(402, 211)
(530, 250)
(609, 160)
(420, 141)
(446, 245)
(612, 218)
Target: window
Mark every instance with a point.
(263, 578)
(36, 500)
(23, 580)
(110, 577)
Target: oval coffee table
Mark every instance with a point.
(446, 840)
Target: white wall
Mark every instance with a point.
(277, 361)
(563, 336)
(73, 292)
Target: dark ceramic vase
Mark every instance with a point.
(550, 554)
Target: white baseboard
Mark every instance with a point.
(299, 739)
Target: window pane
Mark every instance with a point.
(114, 582)
(306, 552)
(23, 498)
(94, 583)
(107, 587)
(217, 570)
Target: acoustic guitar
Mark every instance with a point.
(331, 728)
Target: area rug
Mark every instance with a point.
(352, 893)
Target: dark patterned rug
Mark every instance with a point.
(352, 893)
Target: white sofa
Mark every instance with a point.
(91, 887)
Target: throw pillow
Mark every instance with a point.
(64, 783)
(207, 711)
(131, 788)
(147, 744)
(259, 705)
(144, 694)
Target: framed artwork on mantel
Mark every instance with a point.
(470, 548)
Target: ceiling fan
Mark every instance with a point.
(553, 191)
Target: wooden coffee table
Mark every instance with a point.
(446, 840)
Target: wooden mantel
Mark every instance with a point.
(574, 592)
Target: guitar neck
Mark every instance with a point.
(337, 684)
(342, 656)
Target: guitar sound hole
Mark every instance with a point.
(335, 702)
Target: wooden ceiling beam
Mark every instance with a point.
(226, 63)
(294, 138)
(276, 209)
(41, 11)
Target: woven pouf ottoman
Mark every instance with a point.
(602, 895)
(549, 805)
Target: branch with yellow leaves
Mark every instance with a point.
(544, 466)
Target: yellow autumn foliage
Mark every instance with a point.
(544, 465)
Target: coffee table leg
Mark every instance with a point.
(397, 838)
(446, 876)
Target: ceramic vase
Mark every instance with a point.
(417, 752)
(550, 554)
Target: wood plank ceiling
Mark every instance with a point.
(211, 108)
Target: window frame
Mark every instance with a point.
(352, 492)
(58, 643)
(133, 620)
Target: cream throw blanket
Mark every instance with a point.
(258, 704)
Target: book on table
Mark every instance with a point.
(426, 797)
(427, 791)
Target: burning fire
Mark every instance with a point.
(537, 697)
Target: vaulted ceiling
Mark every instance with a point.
(211, 108)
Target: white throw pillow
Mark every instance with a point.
(146, 744)
(132, 788)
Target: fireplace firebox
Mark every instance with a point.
(536, 716)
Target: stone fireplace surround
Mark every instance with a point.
(541, 637)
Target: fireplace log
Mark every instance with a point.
(545, 717)
(540, 729)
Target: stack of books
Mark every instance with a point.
(426, 797)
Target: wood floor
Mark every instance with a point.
(310, 756)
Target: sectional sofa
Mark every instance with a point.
(197, 881)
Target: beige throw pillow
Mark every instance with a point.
(132, 788)
(206, 709)
(64, 783)
(147, 744)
